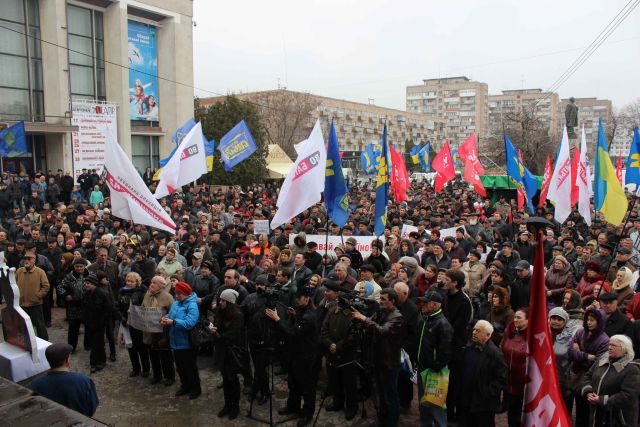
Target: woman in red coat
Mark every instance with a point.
(513, 346)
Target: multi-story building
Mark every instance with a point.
(459, 101)
(543, 105)
(357, 124)
(55, 54)
(590, 110)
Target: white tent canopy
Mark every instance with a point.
(278, 163)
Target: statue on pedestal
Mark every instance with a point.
(571, 118)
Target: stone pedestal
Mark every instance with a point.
(16, 364)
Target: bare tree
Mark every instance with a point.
(286, 116)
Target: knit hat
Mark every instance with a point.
(79, 261)
(408, 260)
(594, 266)
(183, 288)
(229, 295)
(562, 259)
(560, 312)
(71, 243)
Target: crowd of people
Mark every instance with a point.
(341, 322)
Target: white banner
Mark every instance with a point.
(95, 121)
(407, 229)
(145, 319)
(260, 226)
(363, 243)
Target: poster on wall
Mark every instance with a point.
(143, 72)
(94, 120)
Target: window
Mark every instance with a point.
(21, 91)
(86, 53)
(145, 152)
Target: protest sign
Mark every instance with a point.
(146, 319)
(407, 229)
(260, 226)
(363, 242)
(446, 232)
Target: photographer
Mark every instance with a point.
(386, 325)
(301, 330)
(337, 341)
(262, 335)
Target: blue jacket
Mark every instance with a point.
(185, 316)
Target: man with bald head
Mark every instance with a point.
(409, 312)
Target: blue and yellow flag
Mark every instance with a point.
(13, 141)
(382, 186)
(236, 146)
(633, 162)
(530, 188)
(177, 138)
(608, 196)
(414, 153)
(335, 188)
(209, 150)
(424, 156)
(369, 159)
(515, 168)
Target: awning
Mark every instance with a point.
(279, 170)
(502, 181)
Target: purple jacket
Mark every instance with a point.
(595, 342)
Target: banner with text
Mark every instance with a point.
(95, 121)
(145, 319)
(363, 242)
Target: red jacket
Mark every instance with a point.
(513, 347)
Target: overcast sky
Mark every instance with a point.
(356, 50)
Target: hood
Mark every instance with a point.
(626, 279)
(191, 298)
(300, 239)
(600, 317)
(560, 312)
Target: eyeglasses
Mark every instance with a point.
(614, 346)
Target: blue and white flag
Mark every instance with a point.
(13, 141)
(237, 145)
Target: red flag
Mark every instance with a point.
(543, 405)
(472, 177)
(548, 171)
(619, 169)
(468, 152)
(399, 176)
(574, 174)
(443, 165)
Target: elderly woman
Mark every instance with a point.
(96, 196)
(622, 287)
(561, 335)
(158, 343)
(182, 317)
(558, 279)
(475, 271)
(514, 348)
(132, 294)
(169, 264)
(612, 386)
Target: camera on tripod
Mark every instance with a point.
(366, 306)
(272, 293)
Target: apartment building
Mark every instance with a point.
(543, 104)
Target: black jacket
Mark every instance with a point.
(410, 316)
(481, 387)
(302, 333)
(127, 296)
(458, 310)
(520, 292)
(387, 329)
(618, 323)
(433, 341)
(98, 307)
(261, 330)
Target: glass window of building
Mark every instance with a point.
(86, 53)
(145, 152)
(21, 91)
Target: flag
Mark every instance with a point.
(370, 159)
(424, 158)
(209, 150)
(520, 198)
(335, 188)
(515, 168)
(305, 182)
(177, 138)
(530, 188)
(236, 146)
(574, 177)
(472, 177)
(130, 197)
(13, 141)
(560, 185)
(584, 175)
(633, 162)
(455, 158)
(399, 177)
(415, 158)
(186, 166)
(382, 187)
(543, 404)
(468, 152)
(546, 180)
(619, 169)
(443, 165)
(608, 196)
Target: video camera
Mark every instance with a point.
(272, 293)
(352, 300)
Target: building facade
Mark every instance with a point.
(544, 105)
(55, 53)
(460, 102)
(357, 124)
(590, 111)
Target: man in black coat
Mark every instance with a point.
(312, 259)
(66, 187)
(617, 323)
(484, 376)
(521, 286)
(409, 312)
(433, 343)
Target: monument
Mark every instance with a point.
(21, 353)
(571, 118)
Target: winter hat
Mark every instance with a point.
(71, 243)
(594, 266)
(562, 259)
(229, 295)
(560, 312)
(79, 261)
(575, 301)
(183, 288)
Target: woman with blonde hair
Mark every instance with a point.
(132, 294)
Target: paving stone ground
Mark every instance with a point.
(128, 401)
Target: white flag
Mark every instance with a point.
(187, 164)
(582, 180)
(130, 197)
(560, 184)
(303, 186)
